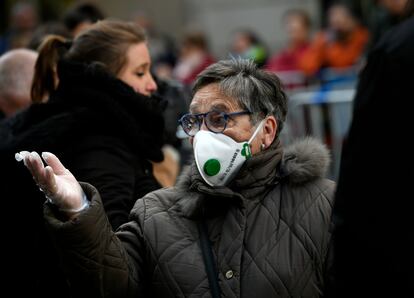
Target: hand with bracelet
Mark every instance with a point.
(59, 185)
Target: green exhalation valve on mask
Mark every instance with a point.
(246, 151)
(212, 167)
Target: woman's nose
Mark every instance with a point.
(151, 85)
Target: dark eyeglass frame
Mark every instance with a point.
(202, 116)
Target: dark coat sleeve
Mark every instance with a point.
(120, 176)
(96, 261)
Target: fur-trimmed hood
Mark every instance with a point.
(305, 160)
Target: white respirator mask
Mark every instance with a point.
(219, 157)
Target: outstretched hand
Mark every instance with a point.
(59, 185)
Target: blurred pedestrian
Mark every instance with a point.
(81, 16)
(297, 24)
(247, 44)
(45, 29)
(92, 105)
(176, 104)
(341, 45)
(392, 13)
(286, 62)
(194, 57)
(22, 23)
(248, 219)
(16, 76)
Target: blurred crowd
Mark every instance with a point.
(340, 44)
(84, 93)
(311, 57)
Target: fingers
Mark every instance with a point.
(43, 176)
(50, 180)
(35, 165)
(54, 163)
(20, 156)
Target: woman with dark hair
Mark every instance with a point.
(81, 16)
(93, 105)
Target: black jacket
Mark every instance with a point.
(104, 133)
(374, 202)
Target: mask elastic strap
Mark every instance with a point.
(256, 131)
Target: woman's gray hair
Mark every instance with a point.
(254, 89)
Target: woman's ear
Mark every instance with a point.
(269, 131)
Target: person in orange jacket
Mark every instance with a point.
(339, 46)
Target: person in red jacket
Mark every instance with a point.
(297, 25)
(194, 58)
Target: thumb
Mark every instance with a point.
(54, 163)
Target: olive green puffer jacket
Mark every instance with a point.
(269, 230)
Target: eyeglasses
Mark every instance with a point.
(215, 121)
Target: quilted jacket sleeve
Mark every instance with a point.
(98, 262)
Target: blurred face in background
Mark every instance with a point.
(188, 50)
(24, 17)
(136, 72)
(241, 43)
(193, 44)
(340, 20)
(297, 29)
(395, 7)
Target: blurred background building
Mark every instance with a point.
(217, 18)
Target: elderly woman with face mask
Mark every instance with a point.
(247, 219)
